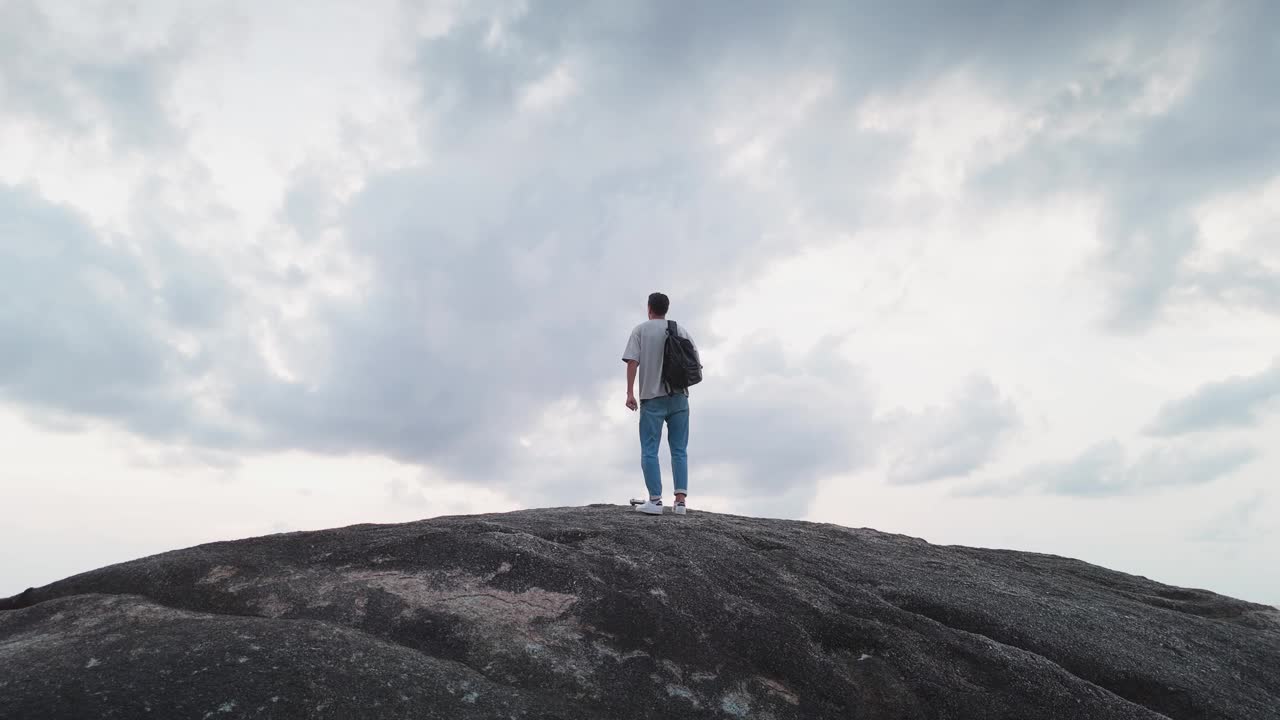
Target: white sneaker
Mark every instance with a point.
(652, 507)
(679, 508)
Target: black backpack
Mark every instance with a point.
(681, 367)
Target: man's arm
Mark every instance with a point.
(631, 356)
(631, 383)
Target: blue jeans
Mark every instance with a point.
(674, 411)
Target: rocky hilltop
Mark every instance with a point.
(600, 613)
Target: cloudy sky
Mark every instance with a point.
(989, 273)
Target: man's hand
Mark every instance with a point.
(631, 402)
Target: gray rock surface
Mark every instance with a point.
(600, 613)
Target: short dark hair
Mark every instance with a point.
(659, 303)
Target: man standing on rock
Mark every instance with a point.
(659, 403)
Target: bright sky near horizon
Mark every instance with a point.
(986, 273)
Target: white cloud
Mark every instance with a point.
(954, 128)
(1232, 403)
(1105, 469)
(954, 440)
(1239, 521)
(550, 90)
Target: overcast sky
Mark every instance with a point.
(991, 273)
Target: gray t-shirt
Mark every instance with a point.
(645, 345)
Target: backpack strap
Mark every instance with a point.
(672, 332)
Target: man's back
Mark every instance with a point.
(646, 346)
